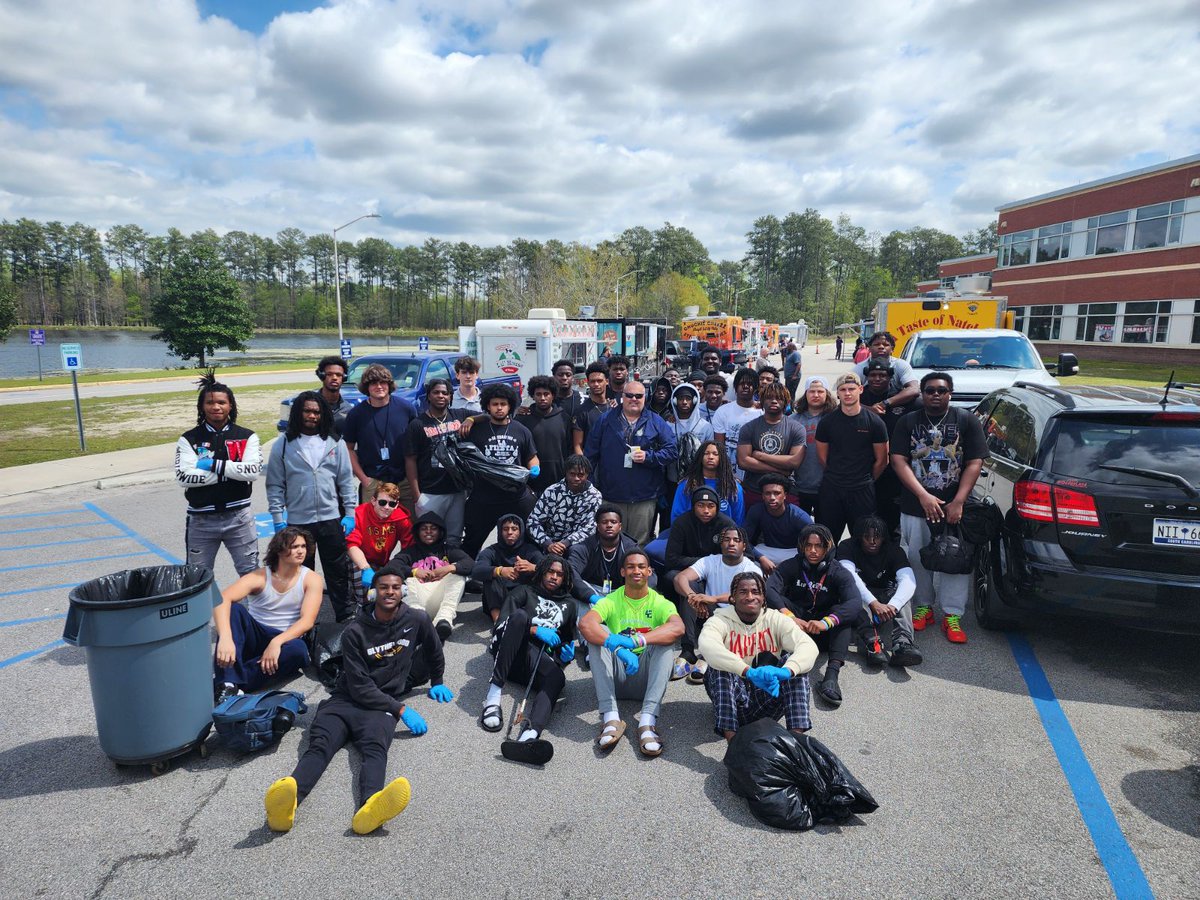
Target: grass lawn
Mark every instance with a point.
(1131, 373)
(296, 365)
(38, 432)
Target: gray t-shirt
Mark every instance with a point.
(902, 373)
(808, 476)
(778, 439)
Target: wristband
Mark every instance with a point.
(640, 638)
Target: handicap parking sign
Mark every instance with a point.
(422, 343)
(346, 351)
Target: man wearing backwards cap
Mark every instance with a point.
(852, 444)
(811, 406)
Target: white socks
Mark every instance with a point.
(528, 735)
(494, 695)
(646, 720)
(611, 717)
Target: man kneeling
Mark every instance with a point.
(757, 661)
(631, 635)
(378, 650)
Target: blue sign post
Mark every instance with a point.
(346, 351)
(422, 343)
(37, 337)
(72, 360)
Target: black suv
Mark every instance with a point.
(1100, 493)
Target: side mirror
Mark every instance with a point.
(1068, 364)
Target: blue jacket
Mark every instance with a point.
(606, 449)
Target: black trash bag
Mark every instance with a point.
(792, 781)
(981, 522)
(506, 476)
(325, 650)
(445, 451)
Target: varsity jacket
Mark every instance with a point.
(562, 515)
(730, 645)
(237, 462)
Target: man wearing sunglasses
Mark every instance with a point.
(630, 448)
(937, 453)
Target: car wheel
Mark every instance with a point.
(990, 610)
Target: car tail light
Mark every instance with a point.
(1075, 508)
(1032, 500)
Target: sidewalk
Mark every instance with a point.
(140, 465)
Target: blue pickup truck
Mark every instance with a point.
(410, 371)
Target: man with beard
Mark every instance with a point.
(772, 444)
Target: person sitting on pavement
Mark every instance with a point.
(714, 573)
(379, 528)
(565, 513)
(758, 660)
(263, 638)
(435, 572)
(711, 468)
(631, 634)
(825, 600)
(311, 485)
(506, 564)
(378, 652)
(884, 575)
(774, 525)
(534, 640)
(553, 431)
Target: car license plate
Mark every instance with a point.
(1176, 533)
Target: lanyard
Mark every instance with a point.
(387, 421)
(814, 589)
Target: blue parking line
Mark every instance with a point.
(12, 622)
(72, 562)
(91, 540)
(56, 512)
(29, 654)
(44, 587)
(154, 548)
(58, 527)
(1124, 872)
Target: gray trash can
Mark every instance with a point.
(149, 659)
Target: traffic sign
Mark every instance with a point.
(37, 337)
(422, 343)
(346, 351)
(72, 356)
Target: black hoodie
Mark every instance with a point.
(438, 550)
(378, 656)
(691, 539)
(502, 554)
(554, 438)
(829, 588)
(556, 611)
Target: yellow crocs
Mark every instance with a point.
(382, 806)
(281, 804)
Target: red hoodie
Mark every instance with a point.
(377, 538)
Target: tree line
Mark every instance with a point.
(800, 266)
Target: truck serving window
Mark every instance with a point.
(1166, 442)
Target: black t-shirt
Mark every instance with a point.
(422, 432)
(588, 414)
(511, 444)
(781, 438)
(851, 441)
(936, 449)
(877, 572)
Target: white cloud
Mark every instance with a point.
(485, 120)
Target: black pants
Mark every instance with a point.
(836, 642)
(335, 565)
(517, 655)
(839, 507)
(691, 622)
(484, 508)
(337, 723)
(887, 501)
(807, 502)
(495, 593)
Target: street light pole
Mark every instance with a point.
(626, 275)
(735, 296)
(337, 270)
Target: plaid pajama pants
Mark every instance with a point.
(737, 702)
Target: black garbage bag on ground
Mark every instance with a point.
(325, 650)
(792, 781)
(506, 476)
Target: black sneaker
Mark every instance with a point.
(227, 691)
(905, 654)
(443, 629)
(872, 648)
(828, 689)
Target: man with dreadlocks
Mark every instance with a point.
(217, 463)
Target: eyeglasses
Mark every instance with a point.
(936, 390)
(386, 504)
(629, 396)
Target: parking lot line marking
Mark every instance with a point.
(1124, 872)
(29, 654)
(57, 512)
(54, 527)
(73, 561)
(91, 540)
(44, 587)
(169, 557)
(31, 621)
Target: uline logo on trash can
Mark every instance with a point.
(177, 610)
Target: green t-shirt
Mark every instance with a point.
(624, 616)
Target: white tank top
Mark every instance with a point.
(278, 610)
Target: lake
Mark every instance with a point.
(116, 350)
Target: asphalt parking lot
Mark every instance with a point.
(1058, 761)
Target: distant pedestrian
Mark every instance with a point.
(791, 369)
(837, 345)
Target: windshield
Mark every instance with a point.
(1008, 351)
(405, 372)
(1155, 442)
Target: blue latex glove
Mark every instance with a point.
(567, 653)
(779, 672)
(347, 524)
(204, 464)
(548, 636)
(632, 663)
(441, 693)
(593, 600)
(619, 642)
(368, 575)
(279, 526)
(535, 471)
(413, 721)
(764, 679)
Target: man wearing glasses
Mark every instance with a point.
(375, 433)
(937, 453)
(629, 449)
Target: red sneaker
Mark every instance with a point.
(922, 616)
(953, 629)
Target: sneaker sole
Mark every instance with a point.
(382, 807)
(280, 803)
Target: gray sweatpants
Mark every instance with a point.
(637, 519)
(933, 588)
(206, 532)
(648, 685)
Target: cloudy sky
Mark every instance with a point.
(485, 120)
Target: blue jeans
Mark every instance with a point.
(250, 639)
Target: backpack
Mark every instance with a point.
(253, 722)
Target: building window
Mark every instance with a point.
(1054, 242)
(1016, 249)
(1158, 225)
(1045, 322)
(1096, 323)
(1106, 234)
(1146, 322)
(1196, 324)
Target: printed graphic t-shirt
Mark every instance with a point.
(622, 615)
